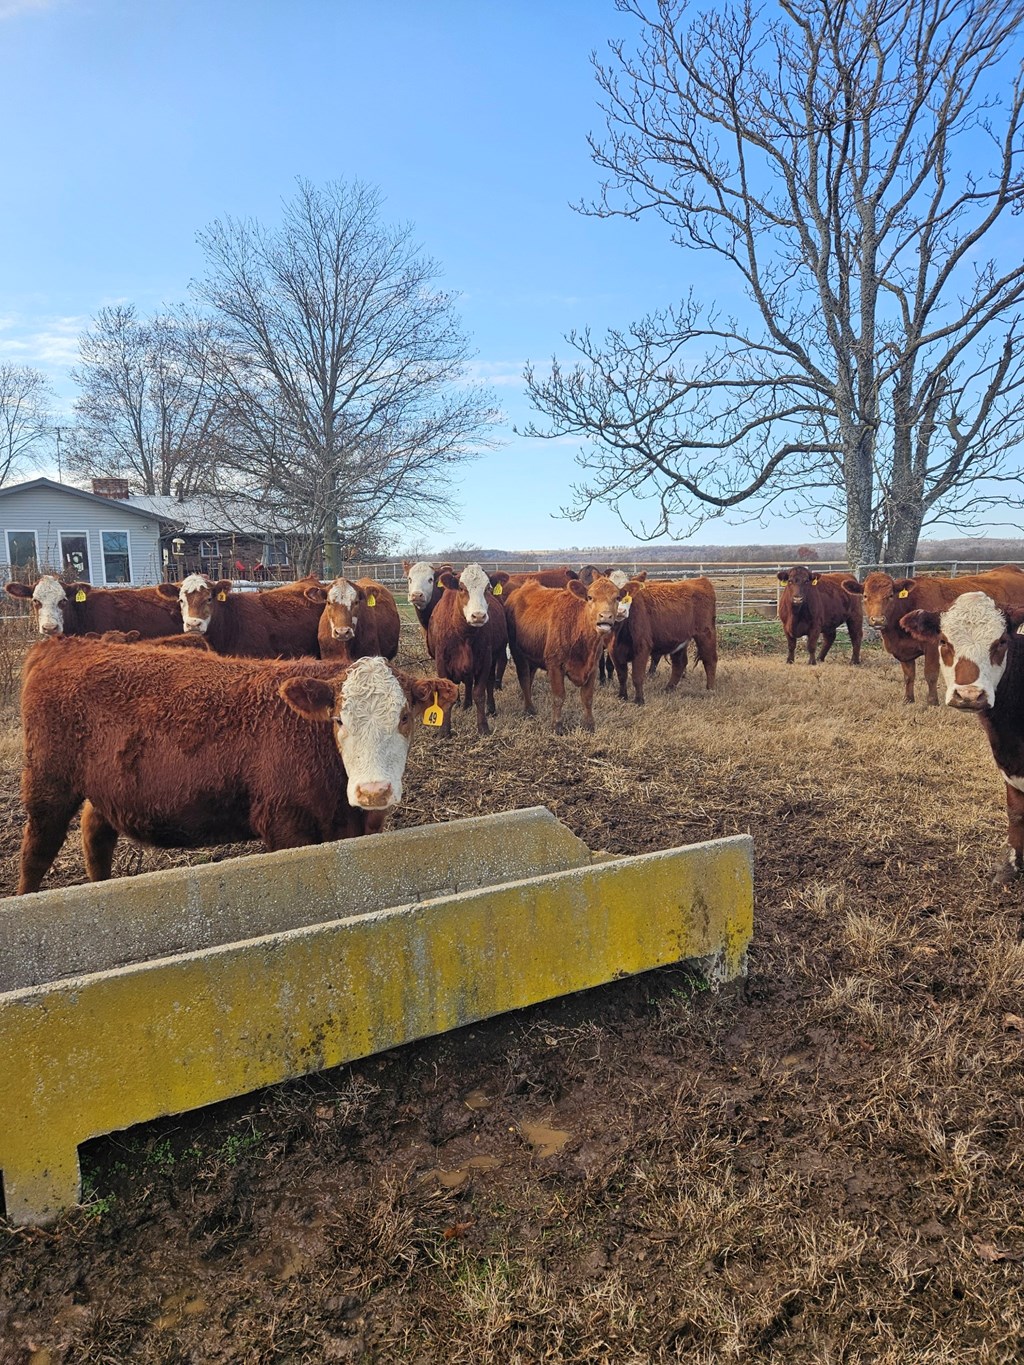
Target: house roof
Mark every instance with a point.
(132, 509)
(210, 514)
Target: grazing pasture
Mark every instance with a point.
(824, 1167)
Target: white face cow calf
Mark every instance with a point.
(196, 596)
(48, 600)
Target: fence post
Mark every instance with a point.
(743, 596)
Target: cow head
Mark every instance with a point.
(604, 602)
(800, 581)
(620, 577)
(50, 600)
(197, 596)
(471, 585)
(373, 709)
(421, 583)
(342, 602)
(884, 598)
(973, 637)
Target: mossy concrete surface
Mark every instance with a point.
(99, 1052)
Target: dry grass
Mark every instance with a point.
(823, 1168)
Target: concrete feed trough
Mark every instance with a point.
(127, 1000)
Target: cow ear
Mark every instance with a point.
(406, 565)
(77, 592)
(447, 579)
(169, 591)
(1014, 615)
(220, 589)
(311, 698)
(632, 586)
(131, 637)
(422, 691)
(315, 595)
(901, 586)
(571, 575)
(922, 625)
(17, 590)
(500, 577)
(640, 577)
(576, 588)
(783, 575)
(190, 641)
(851, 585)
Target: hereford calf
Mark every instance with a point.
(981, 655)
(816, 605)
(216, 752)
(466, 637)
(280, 623)
(358, 619)
(662, 618)
(562, 630)
(424, 589)
(79, 608)
(887, 600)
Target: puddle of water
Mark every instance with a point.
(483, 1163)
(544, 1141)
(40, 1357)
(477, 1099)
(173, 1309)
(451, 1180)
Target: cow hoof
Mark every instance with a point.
(558, 728)
(639, 701)
(484, 729)
(908, 701)
(588, 725)
(1006, 873)
(933, 701)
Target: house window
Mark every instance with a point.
(275, 554)
(116, 561)
(74, 554)
(209, 549)
(22, 550)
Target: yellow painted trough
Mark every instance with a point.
(131, 999)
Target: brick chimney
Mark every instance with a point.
(111, 488)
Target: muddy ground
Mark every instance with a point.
(823, 1166)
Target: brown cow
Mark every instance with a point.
(662, 618)
(423, 587)
(358, 619)
(981, 655)
(887, 600)
(816, 605)
(562, 630)
(79, 608)
(220, 751)
(277, 624)
(549, 578)
(132, 637)
(466, 636)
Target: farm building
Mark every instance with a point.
(218, 536)
(47, 526)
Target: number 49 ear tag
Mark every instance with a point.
(433, 715)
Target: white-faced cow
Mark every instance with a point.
(79, 608)
(358, 619)
(279, 623)
(466, 637)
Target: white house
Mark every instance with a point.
(50, 527)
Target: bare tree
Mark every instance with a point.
(25, 417)
(348, 400)
(150, 403)
(846, 162)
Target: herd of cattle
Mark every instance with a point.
(237, 744)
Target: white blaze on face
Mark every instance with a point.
(619, 577)
(973, 651)
(475, 582)
(194, 596)
(421, 584)
(48, 594)
(344, 595)
(374, 734)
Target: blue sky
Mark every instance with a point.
(130, 124)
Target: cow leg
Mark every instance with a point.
(791, 648)
(99, 839)
(1014, 863)
(45, 831)
(909, 670)
(480, 697)
(286, 828)
(621, 672)
(828, 640)
(641, 659)
(500, 664)
(812, 646)
(587, 699)
(931, 673)
(656, 657)
(677, 659)
(492, 683)
(855, 625)
(556, 680)
(525, 671)
(707, 653)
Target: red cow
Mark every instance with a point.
(817, 604)
(280, 623)
(662, 618)
(562, 630)
(79, 608)
(289, 752)
(887, 600)
(358, 619)
(424, 589)
(132, 637)
(466, 636)
(981, 655)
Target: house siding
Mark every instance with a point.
(48, 512)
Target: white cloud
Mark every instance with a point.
(11, 9)
(48, 343)
(497, 373)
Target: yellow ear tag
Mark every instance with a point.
(627, 599)
(371, 601)
(903, 592)
(79, 596)
(497, 589)
(222, 597)
(814, 582)
(433, 715)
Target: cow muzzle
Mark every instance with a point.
(965, 698)
(342, 632)
(876, 622)
(417, 599)
(374, 795)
